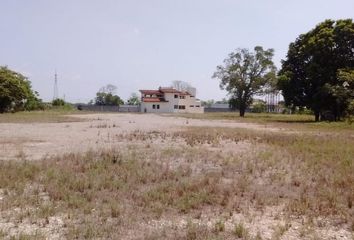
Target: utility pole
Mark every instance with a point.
(56, 92)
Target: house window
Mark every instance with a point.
(153, 106)
(176, 107)
(182, 97)
(158, 106)
(197, 106)
(191, 106)
(176, 96)
(181, 107)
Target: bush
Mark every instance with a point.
(16, 92)
(259, 107)
(350, 112)
(58, 102)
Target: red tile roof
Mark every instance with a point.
(169, 90)
(163, 90)
(185, 93)
(150, 91)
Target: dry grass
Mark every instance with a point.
(176, 177)
(48, 116)
(107, 188)
(297, 121)
(317, 169)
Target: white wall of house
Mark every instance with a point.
(172, 101)
(160, 107)
(175, 102)
(184, 103)
(191, 105)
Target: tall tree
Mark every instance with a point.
(245, 74)
(310, 74)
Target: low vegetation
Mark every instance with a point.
(292, 121)
(188, 186)
(55, 115)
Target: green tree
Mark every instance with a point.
(106, 96)
(310, 75)
(245, 74)
(108, 99)
(344, 91)
(16, 92)
(133, 99)
(58, 102)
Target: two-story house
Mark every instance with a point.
(169, 100)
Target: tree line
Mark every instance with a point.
(317, 74)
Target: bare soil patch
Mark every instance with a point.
(95, 131)
(142, 176)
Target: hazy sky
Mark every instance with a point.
(148, 43)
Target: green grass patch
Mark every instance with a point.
(46, 116)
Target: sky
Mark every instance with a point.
(144, 44)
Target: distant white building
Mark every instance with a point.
(169, 100)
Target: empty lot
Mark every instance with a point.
(81, 133)
(142, 176)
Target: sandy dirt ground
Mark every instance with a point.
(33, 141)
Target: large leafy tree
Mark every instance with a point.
(16, 92)
(245, 74)
(312, 74)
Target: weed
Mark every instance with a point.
(219, 226)
(240, 231)
(280, 230)
(191, 231)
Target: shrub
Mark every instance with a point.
(58, 102)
